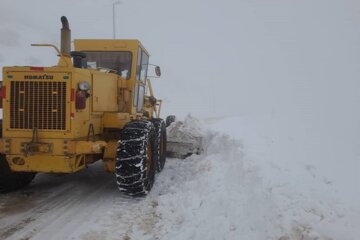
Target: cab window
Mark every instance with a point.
(116, 61)
(141, 75)
(142, 65)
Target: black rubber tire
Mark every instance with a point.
(10, 181)
(135, 160)
(160, 143)
(170, 119)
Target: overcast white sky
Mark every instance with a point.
(218, 58)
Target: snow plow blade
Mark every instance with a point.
(184, 138)
(182, 149)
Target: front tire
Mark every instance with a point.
(135, 161)
(160, 143)
(10, 181)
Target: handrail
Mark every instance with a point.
(158, 102)
(47, 45)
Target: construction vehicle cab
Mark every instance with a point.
(97, 103)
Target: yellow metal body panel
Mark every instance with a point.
(110, 155)
(132, 46)
(61, 155)
(47, 164)
(116, 45)
(38, 141)
(17, 75)
(105, 92)
(108, 45)
(57, 147)
(82, 120)
(85, 147)
(115, 120)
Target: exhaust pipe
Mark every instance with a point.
(65, 37)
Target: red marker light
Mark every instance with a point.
(72, 97)
(3, 92)
(80, 103)
(37, 68)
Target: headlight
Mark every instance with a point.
(84, 86)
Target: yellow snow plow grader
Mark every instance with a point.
(95, 104)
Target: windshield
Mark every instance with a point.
(117, 61)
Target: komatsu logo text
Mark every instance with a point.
(39, 77)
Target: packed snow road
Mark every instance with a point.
(56, 206)
(231, 191)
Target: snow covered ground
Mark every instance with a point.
(256, 179)
(306, 171)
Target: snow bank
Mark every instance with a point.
(221, 195)
(297, 166)
(212, 196)
(188, 128)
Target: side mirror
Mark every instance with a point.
(157, 71)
